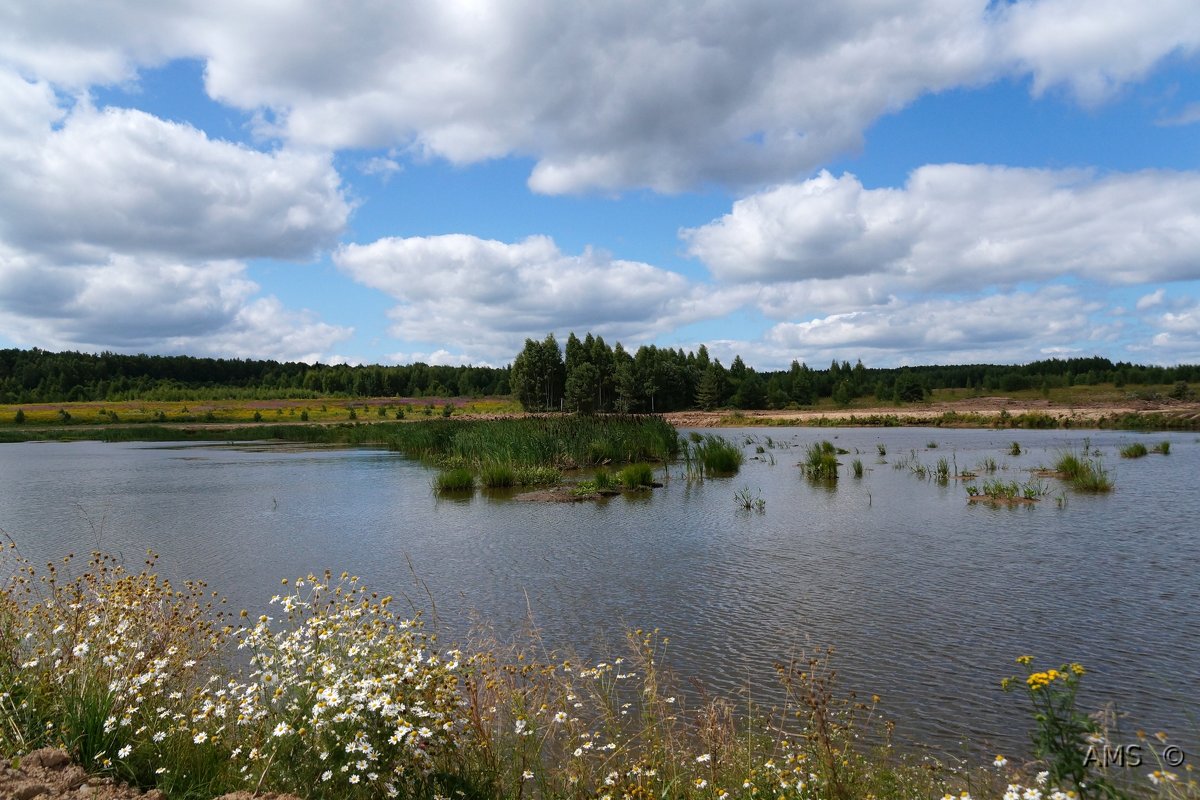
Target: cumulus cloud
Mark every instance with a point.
(485, 297)
(601, 95)
(124, 181)
(953, 224)
(996, 328)
(1096, 46)
(152, 305)
(119, 230)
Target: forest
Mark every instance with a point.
(586, 375)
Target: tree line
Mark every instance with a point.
(586, 375)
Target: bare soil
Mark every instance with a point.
(49, 774)
(1079, 414)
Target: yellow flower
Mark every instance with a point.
(1025, 660)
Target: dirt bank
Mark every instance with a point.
(974, 411)
(49, 774)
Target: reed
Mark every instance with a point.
(1135, 450)
(636, 476)
(456, 479)
(820, 461)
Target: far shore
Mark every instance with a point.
(973, 412)
(84, 419)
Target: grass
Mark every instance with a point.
(497, 475)
(746, 501)
(709, 455)
(636, 476)
(1163, 448)
(456, 479)
(856, 467)
(1135, 450)
(1085, 473)
(820, 461)
(129, 674)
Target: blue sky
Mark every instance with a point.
(905, 182)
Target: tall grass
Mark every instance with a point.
(636, 476)
(1085, 473)
(719, 456)
(455, 479)
(820, 461)
(1135, 450)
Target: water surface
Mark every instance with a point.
(926, 598)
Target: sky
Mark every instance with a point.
(391, 181)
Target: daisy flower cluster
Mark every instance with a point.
(341, 684)
(108, 663)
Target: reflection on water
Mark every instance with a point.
(926, 598)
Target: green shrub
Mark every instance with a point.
(19, 417)
(1015, 449)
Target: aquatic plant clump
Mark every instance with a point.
(820, 461)
(1135, 450)
(636, 476)
(1083, 472)
(457, 479)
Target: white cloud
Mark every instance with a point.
(602, 95)
(1151, 300)
(999, 328)
(1096, 46)
(124, 181)
(122, 231)
(1189, 115)
(485, 297)
(955, 225)
(152, 305)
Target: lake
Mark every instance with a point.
(927, 599)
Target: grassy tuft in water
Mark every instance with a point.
(455, 479)
(1085, 473)
(1135, 450)
(1163, 448)
(636, 476)
(820, 461)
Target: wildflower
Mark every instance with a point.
(520, 726)
(701, 783)
(704, 759)
(1042, 777)
(124, 752)
(353, 778)
(527, 775)
(560, 716)
(200, 738)
(999, 761)
(282, 729)
(326, 775)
